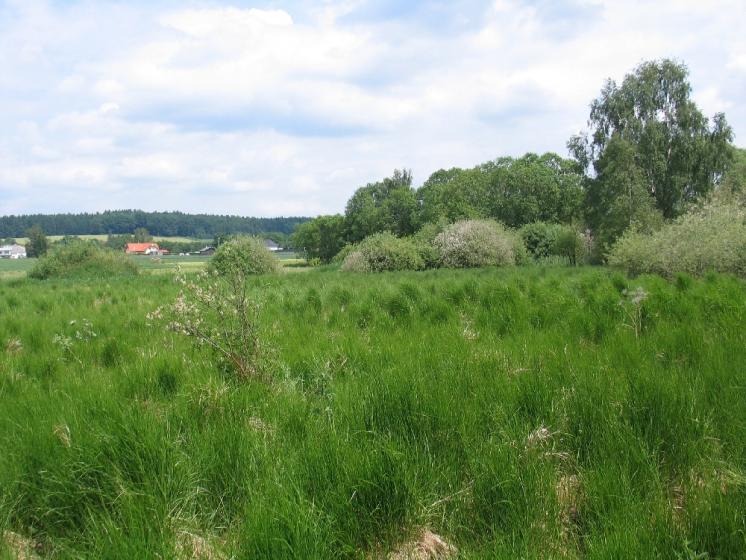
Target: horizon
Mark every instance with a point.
(284, 108)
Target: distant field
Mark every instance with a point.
(16, 268)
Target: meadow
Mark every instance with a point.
(533, 412)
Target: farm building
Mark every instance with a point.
(12, 252)
(143, 249)
(271, 245)
(206, 251)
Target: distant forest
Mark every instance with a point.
(157, 223)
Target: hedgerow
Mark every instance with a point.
(711, 238)
(82, 258)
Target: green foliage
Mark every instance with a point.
(82, 259)
(618, 197)
(243, 255)
(382, 252)
(37, 245)
(389, 205)
(321, 238)
(711, 238)
(168, 224)
(512, 191)
(663, 144)
(141, 235)
(733, 185)
(477, 243)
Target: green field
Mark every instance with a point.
(17, 268)
(517, 413)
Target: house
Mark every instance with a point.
(271, 245)
(206, 251)
(12, 252)
(142, 249)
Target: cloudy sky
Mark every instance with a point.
(285, 107)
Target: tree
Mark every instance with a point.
(141, 235)
(38, 244)
(388, 205)
(534, 188)
(321, 238)
(734, 180)
(677, 156)
(617, 198)
(453, 194)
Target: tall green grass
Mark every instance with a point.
(524, 413)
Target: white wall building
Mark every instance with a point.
(12, 252)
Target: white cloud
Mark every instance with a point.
(268, 112)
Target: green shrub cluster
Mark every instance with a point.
(477, 243)
(244, 255)
(711, 238)
(383, 252)
(82, 258)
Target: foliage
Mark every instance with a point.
(37, 245)
(424, 240)
(141, 235)
(710, 238)
(513, 191)
(618, 198)
(382, 252)
(387, 205)
(243, 255)
(733, 186)
(168, 224)
(519, 413)
(82, 259)
(217, 312)
(661, 138)
(477, 243)
(320, 238)
(533, 188)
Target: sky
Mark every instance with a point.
(286, 107)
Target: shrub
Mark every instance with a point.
(424, 240)
(709, 238)
(545, 240)
(475, 243)
(82, 258)
(244, 255)
(381, 252)
(218, 312)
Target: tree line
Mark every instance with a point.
(648, 154)
(166, 224)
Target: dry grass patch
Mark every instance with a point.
(428, 546)
(20, 547)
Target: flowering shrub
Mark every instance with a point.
(244, 255)
(217, 312)
(475, 243)
(710, 238)
(381, 252)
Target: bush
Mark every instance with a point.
(545, 240)
(711, 238)
(475, 243)
(244, 255)
(80, 259)
(381, 252)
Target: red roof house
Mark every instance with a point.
(142, 249)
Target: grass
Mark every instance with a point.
(17, 268)
(518, 413)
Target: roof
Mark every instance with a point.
(140, 247)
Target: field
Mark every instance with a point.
(517, 413)
(104, 237)
(17, 268)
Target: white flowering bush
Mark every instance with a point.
(217, 312)
(476, 243)
(244, 255)
(381, 252)
(711, 238)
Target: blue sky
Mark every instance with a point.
(286, 107)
